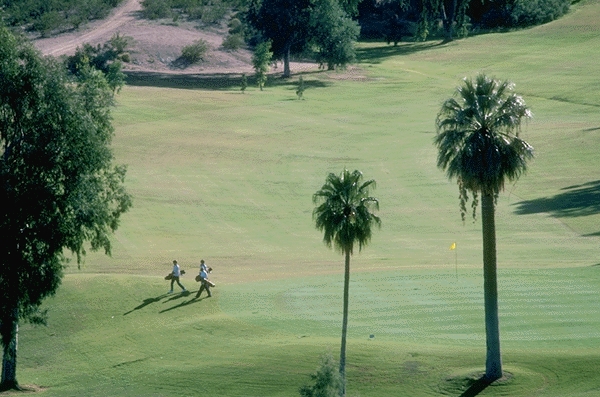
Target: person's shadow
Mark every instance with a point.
(146, 302)
(184, 303)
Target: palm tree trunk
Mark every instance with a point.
(493, 364)
(345, 324)
(9, 358)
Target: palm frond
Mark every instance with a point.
(344, 212)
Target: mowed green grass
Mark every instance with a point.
(229, 177)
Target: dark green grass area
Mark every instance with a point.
(417, 333)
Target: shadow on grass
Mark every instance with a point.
(380, 53)
(184, 303)
(477, 387)
(146, 302)
(216, 81)
(573, 201)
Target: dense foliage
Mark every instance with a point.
(60, 191)
(395, 19)
(47, 16)
(106, 58)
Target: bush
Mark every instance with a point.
(49, 22)
(235, 26)
(194, 52)
(233, 42)
(536, 12)
(519, 13)
(156, 9)
(327, 380)
(47, 16)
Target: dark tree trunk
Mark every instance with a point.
(10, 329)
(345, 324)
(286, 62)
(448, 17)
(493, 364)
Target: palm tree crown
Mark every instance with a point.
(478, 135)
(344, 213)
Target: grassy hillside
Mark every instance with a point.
(228, 177)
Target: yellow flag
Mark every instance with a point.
(453, 246)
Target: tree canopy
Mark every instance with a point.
(284, 23)
(60, 189)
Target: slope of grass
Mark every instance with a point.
(228, 177)
(416, 331)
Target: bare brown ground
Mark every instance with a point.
(154, 45)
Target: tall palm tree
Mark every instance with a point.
(343, 214)
(479, 145)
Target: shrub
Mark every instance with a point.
(156, 9)
(536, 12)
(521, 13)
(235, 26)
(233, 42)
(49, 22)
(327, 380)
(194, 52)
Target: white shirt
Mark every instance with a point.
(176, 272)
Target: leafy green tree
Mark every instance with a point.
(333, 33)
(60, 190)
(261, 59)
(327, 380)
(284, 23)
(343, 213)
(479, 145)
(106, 58)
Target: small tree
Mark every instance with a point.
(244, 83)
(301, 88)
(327, 380)
(260, 61)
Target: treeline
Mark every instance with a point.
(396, 19)
(392, 19)
(50, 16)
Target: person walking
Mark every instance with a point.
(204, 285)
(176, 274)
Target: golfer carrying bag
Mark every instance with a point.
(205, 284)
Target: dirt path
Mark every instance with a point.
(154, 45)
(66, 44)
